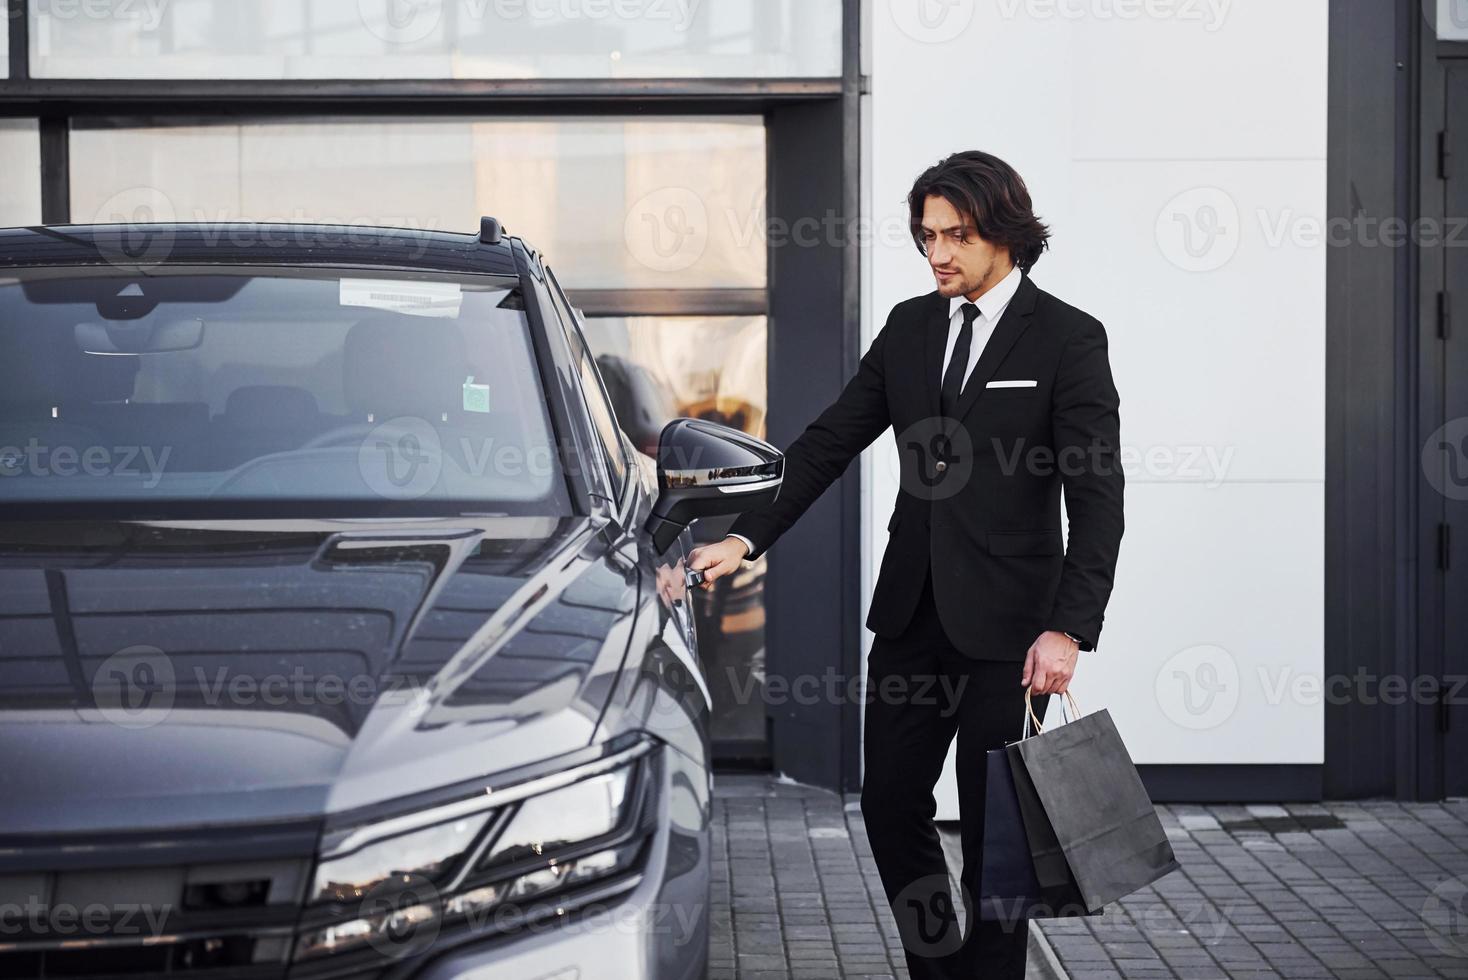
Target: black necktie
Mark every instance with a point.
(958, 362)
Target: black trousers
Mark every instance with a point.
(921, 690)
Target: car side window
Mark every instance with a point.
(597, 402)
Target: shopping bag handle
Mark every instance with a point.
(1030, 715)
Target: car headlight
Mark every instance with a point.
(500, 851)
(426, 853)
(586, 809)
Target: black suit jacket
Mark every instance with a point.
(987, 520)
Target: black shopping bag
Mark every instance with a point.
(1097, 807)
(1009, 882)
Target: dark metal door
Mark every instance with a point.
(1446, 453)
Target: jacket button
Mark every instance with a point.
(940, 466)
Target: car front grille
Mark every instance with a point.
(199, 906)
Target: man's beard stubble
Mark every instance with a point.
(950, 290)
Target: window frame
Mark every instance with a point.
(618, 468)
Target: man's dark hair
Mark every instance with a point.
(988, 192)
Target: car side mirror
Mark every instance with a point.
(706, 469)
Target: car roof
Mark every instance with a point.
(129, 245)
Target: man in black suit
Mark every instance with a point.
(1002, 399)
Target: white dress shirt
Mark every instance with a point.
(991, 307)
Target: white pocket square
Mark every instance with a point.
(1010, 384)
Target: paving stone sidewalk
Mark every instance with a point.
(1351, 890)
(795, 891)
(1354, 890)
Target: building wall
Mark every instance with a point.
(1186, 212)
(1177, 152)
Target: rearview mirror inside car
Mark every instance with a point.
(146, 336)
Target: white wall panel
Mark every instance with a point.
(1179, 159)
(20, 162)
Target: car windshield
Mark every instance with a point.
(271, 392)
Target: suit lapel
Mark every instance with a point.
(1012, 323)
(935, 339)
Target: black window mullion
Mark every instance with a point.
(20, 49)
(55, 133)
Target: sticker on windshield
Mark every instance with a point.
(403, 296)
(476, 397)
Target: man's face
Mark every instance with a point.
(962, 262)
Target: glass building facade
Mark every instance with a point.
(632, 142)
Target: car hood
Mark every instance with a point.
(173, 674)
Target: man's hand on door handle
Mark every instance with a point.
(716, 560)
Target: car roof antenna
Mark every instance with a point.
(490, 231)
